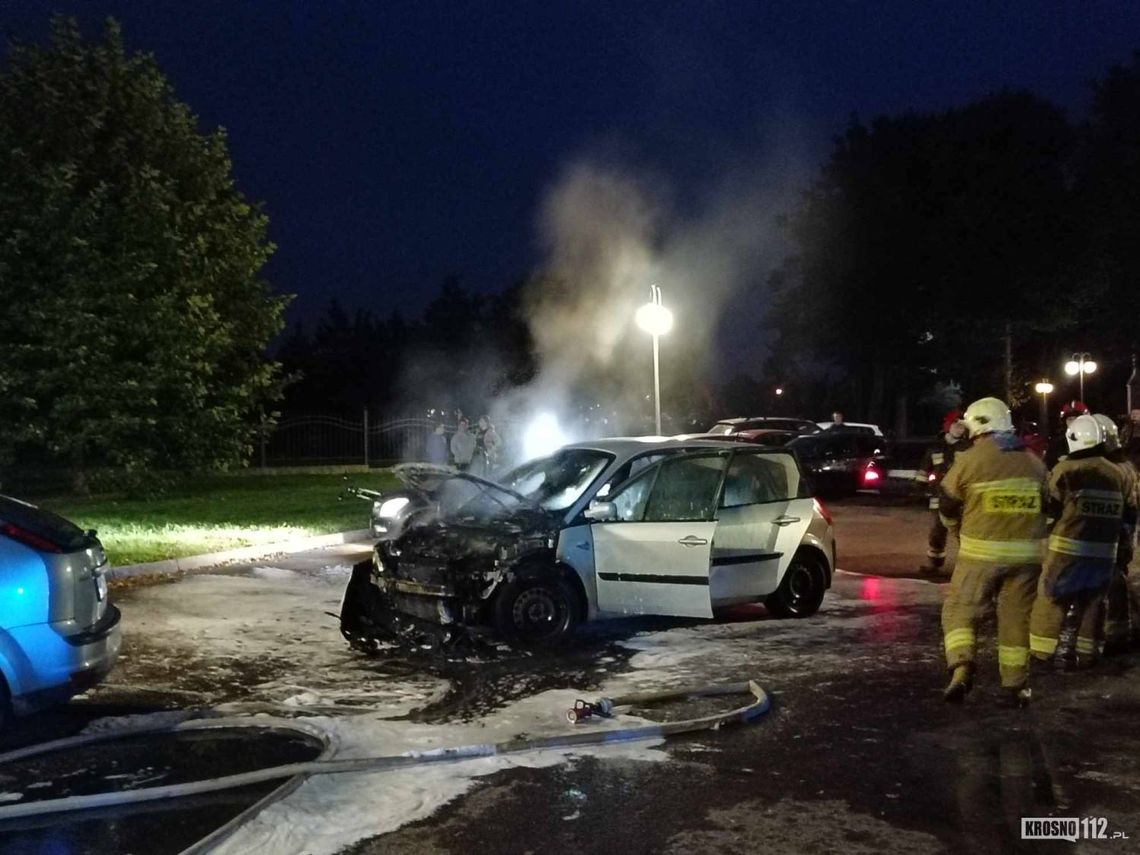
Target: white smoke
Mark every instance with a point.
(609, 231)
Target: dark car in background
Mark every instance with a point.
(838, 462)
(843, 463)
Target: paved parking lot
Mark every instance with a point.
(859, 752)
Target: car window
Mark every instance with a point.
(629, 503)
(630, 469)
(685, 488)
(868, 445)
(754, 479)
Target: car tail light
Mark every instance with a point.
(28, 538)
(870, 475)
(930, 477)
(821, 510)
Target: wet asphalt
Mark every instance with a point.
(858, 754)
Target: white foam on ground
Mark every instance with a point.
(330, 812)
(279, 616)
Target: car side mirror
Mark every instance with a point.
(601, 511)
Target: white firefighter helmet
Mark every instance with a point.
(1084, 432)
(1111, 434)
(987, 415)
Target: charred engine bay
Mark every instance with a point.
(436, 581)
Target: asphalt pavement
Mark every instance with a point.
(859, 753)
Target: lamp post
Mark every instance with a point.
(656, 320)
(1043, 389)
(1080, 364)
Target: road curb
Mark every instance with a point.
(243, 553)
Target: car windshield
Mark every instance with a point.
(555, 483)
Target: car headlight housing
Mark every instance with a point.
(390, 508)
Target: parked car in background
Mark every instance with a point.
(59, 633)
(764, 423)
(598, 529)
(853, 427)
(837, 461)
(898, 472)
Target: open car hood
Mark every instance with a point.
(428, 476)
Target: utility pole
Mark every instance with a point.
(1008, 364)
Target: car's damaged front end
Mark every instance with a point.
(437, 581)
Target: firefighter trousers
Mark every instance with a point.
(1070, 582)
(936, 541)
(973, 588)
(1049, 616)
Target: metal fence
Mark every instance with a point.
(322, 440)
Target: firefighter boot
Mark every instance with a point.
(961, 681)
(1019, 696)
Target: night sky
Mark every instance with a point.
(396, 142)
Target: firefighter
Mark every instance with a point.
(994, 496)
(1089, 502)
(1057, 445)
(1117, 620)
(938, 459)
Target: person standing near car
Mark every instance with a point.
(437, 445)
(487, 444)
(939, 457)
(1118, 619)
(462, 446)
(1090, 504)
(994, 496)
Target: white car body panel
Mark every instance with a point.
(752, 551)
(654, 567)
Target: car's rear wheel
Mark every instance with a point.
(801, 590)
(537, 612)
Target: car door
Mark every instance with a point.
(765, 509)
(654, 558)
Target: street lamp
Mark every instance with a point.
(656, 320)
(1043, 389)
(1080, 364)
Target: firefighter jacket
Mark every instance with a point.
(994, 493)
(1093, 503)
(936, 463)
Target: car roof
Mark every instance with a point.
(623, 446)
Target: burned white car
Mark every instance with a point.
(598, 529)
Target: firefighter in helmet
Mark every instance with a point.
(994, 496)
(934, 467)
(1058, 446)
(1117, 618)
(1090, 504)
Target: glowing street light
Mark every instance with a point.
(1080, 364)
(656, 320)
(1043, 389)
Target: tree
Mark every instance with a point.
(135, 318)
(924, 240)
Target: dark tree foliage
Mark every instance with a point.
(925, 239)
(135, 318)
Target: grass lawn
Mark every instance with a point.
(215, 513)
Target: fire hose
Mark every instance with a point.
(326, 764)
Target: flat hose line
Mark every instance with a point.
(325, 765)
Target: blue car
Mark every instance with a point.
(59, 633)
